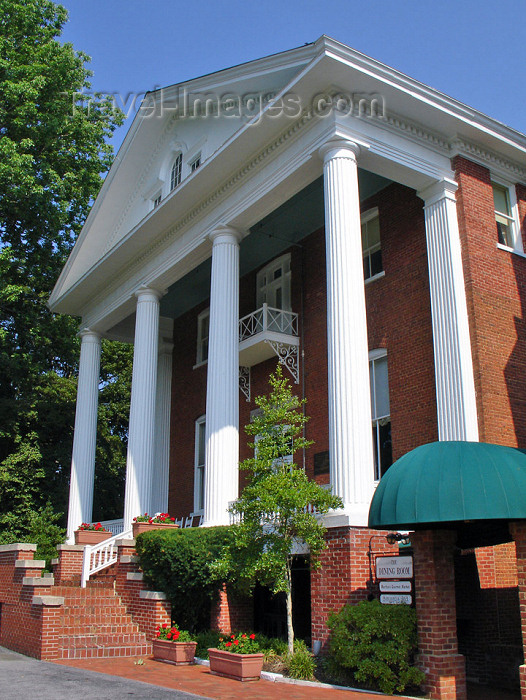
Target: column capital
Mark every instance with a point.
(87, 336)
(145, 293)
(225, 234)
(339, 148)
(441, 189)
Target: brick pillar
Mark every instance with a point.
(231, 612)
(518, 532)
(437, 616)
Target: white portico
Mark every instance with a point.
(186, 190)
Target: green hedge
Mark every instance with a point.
(177, 562)
(376, 644)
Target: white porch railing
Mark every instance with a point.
(114, 526)
(268, 319)
(100, 556)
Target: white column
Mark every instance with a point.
(161, 462)
(222, 390)
(85, 436)
(350, 423)
(455, 386)
(139, 462)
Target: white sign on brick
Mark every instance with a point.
(394, 567)
(395, 586)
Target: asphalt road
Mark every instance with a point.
(23, 677)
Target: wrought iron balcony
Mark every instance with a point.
(263, 334)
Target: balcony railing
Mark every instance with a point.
(268, 319)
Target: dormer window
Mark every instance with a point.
(176, 172)
(157, 200)
(195, 163)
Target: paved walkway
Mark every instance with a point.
(199, 680)
(23, 677)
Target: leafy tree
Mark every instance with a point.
(275, 508)
(52, 156)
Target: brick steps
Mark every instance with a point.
(96, 624)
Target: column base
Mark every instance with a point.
(351, 515)
(445, 676)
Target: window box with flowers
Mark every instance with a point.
(91, 533)
(173, 646)
(145, 523)
(237, 657)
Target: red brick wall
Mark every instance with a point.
(346, 574)
(495, 290)
(398, 308)
(231, 613)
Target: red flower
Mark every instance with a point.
(236, 641)
(168, 636)
(252, 636)
(228, 644)
(243, 636)
(165, 625)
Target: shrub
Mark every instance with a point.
(301, 664)
(177, 562)
(206, 640)
(377, 644)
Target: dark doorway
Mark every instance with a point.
(270, 611)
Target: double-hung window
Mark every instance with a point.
(504, 203)
(203, 325)
(371, 246)
(199, 465)
(380, 411)
(273, 284)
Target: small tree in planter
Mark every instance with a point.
(275, 509)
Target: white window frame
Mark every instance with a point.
(176, 172)
(156, 200)
(200, 360)
(199, 467)
(367, 216)
(513, 217)
(282, 262)
(195, 163)
(375, 355)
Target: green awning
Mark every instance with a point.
(444, 483)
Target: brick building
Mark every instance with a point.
(323, 210)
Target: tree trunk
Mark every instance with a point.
(290, 629)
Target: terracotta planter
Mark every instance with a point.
(146, 527)
(178, 653)
(240, 667)
(91, 536)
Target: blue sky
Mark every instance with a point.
(472, 50)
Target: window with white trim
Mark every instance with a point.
(176, 172)
(199, 465)
(380, 412)
(273, 284)
(371, 246)
(203, 327)
(157, 200)
(504, 203)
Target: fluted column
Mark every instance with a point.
(455, 387)
(85, 436)
(139, 462)
(350, 426)
(161, 462)
(222, 391)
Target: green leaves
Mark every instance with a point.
(52, 157)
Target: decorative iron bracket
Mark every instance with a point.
(244, 381)
(288, 356)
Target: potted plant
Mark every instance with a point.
(91, 533)
(173, 646)
(143, 523)
(238, 657)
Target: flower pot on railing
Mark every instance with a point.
(91, 536)
(145, 523)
